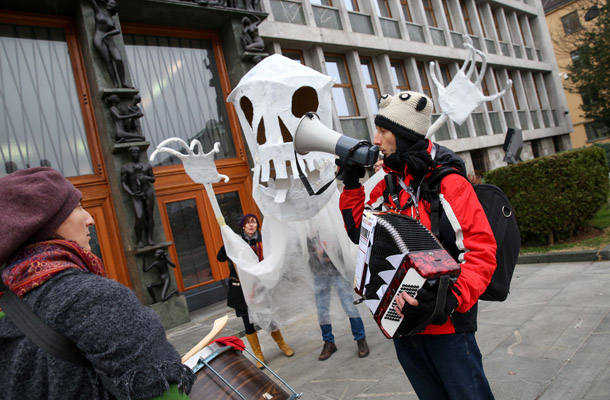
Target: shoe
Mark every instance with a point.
(277, 336)
(363, 348)
(256, 348)
(328, 349)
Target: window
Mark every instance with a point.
(466, 17)
(296, 55)
(497, 25)
(423, 76)
(181, 91)
(596, 131)
(406, 10)
(42, 119)
(571, 23)
(514, 90)
(537, 93)
(592, 13)
(445, 74)
(351, 5)
(399, 74)
(447, 15)
(485, 90)
(343, 93)
(497, 84)
(481, 20)
(429, 11)
(383, 8)
(372, 88)
(323, 2)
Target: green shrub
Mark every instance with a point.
(606, 147)
(554, 196)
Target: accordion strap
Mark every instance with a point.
(439, 306)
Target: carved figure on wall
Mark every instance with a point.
(132, 123)
(124, 120)
(161, 263)
(103, 41)
(250, 38)
(252, 5)
(137, 179)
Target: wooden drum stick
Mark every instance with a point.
(218, 326)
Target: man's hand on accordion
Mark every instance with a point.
(416, 310)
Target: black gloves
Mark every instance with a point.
(350, 174)
(426, 297)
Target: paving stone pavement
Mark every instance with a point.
(549, 340)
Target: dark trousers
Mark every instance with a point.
(444, 366)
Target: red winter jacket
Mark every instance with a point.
(473, 236)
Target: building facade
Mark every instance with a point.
(91, 87)
(566, 19)
(373, 47)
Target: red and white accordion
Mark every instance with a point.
(397, 253)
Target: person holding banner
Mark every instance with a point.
(443, 361)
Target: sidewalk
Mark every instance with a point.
(549, 340)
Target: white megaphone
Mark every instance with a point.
(313, 135)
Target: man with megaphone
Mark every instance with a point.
(443, 361)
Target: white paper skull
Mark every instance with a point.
(270, 101)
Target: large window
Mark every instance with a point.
(372, 88)
(343, 93)
(406, 10)
(181, 92)
(399, 75)
(429, 11)
(41, 119)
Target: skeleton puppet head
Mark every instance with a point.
(270, 101)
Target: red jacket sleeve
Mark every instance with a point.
(473, 237)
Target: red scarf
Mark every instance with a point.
(36, 263)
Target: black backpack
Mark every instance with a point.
(501, 218)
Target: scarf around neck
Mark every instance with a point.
(36, 263)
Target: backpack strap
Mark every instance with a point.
(38, 331)
(431, 188)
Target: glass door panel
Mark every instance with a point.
(189, 243)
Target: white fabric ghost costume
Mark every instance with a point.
(270, 101)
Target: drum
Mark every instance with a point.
(232, 371)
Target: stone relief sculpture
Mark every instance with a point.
(250, 37)
(137, 179)
(126, 125)
(161, 265)
(103, 41)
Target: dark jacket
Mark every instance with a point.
(474, 243)
(235, 297)
(124, 341)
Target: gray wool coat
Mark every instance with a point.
(124, 341)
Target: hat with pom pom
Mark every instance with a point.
(406, 113)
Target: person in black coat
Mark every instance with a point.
(235, 299)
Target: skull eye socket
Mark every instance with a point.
(305, 99)
(247, 108)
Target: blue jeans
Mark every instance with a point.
(444, 366)
(322, 288)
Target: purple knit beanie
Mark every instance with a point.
(34, 202)
(247, 217)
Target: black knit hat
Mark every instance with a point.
(406, 113)
(34, 202)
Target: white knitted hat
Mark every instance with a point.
(405, 113)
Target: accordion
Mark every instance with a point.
(397, 253)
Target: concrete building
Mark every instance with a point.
(83, 87)
(566, 19)
(374, 47)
